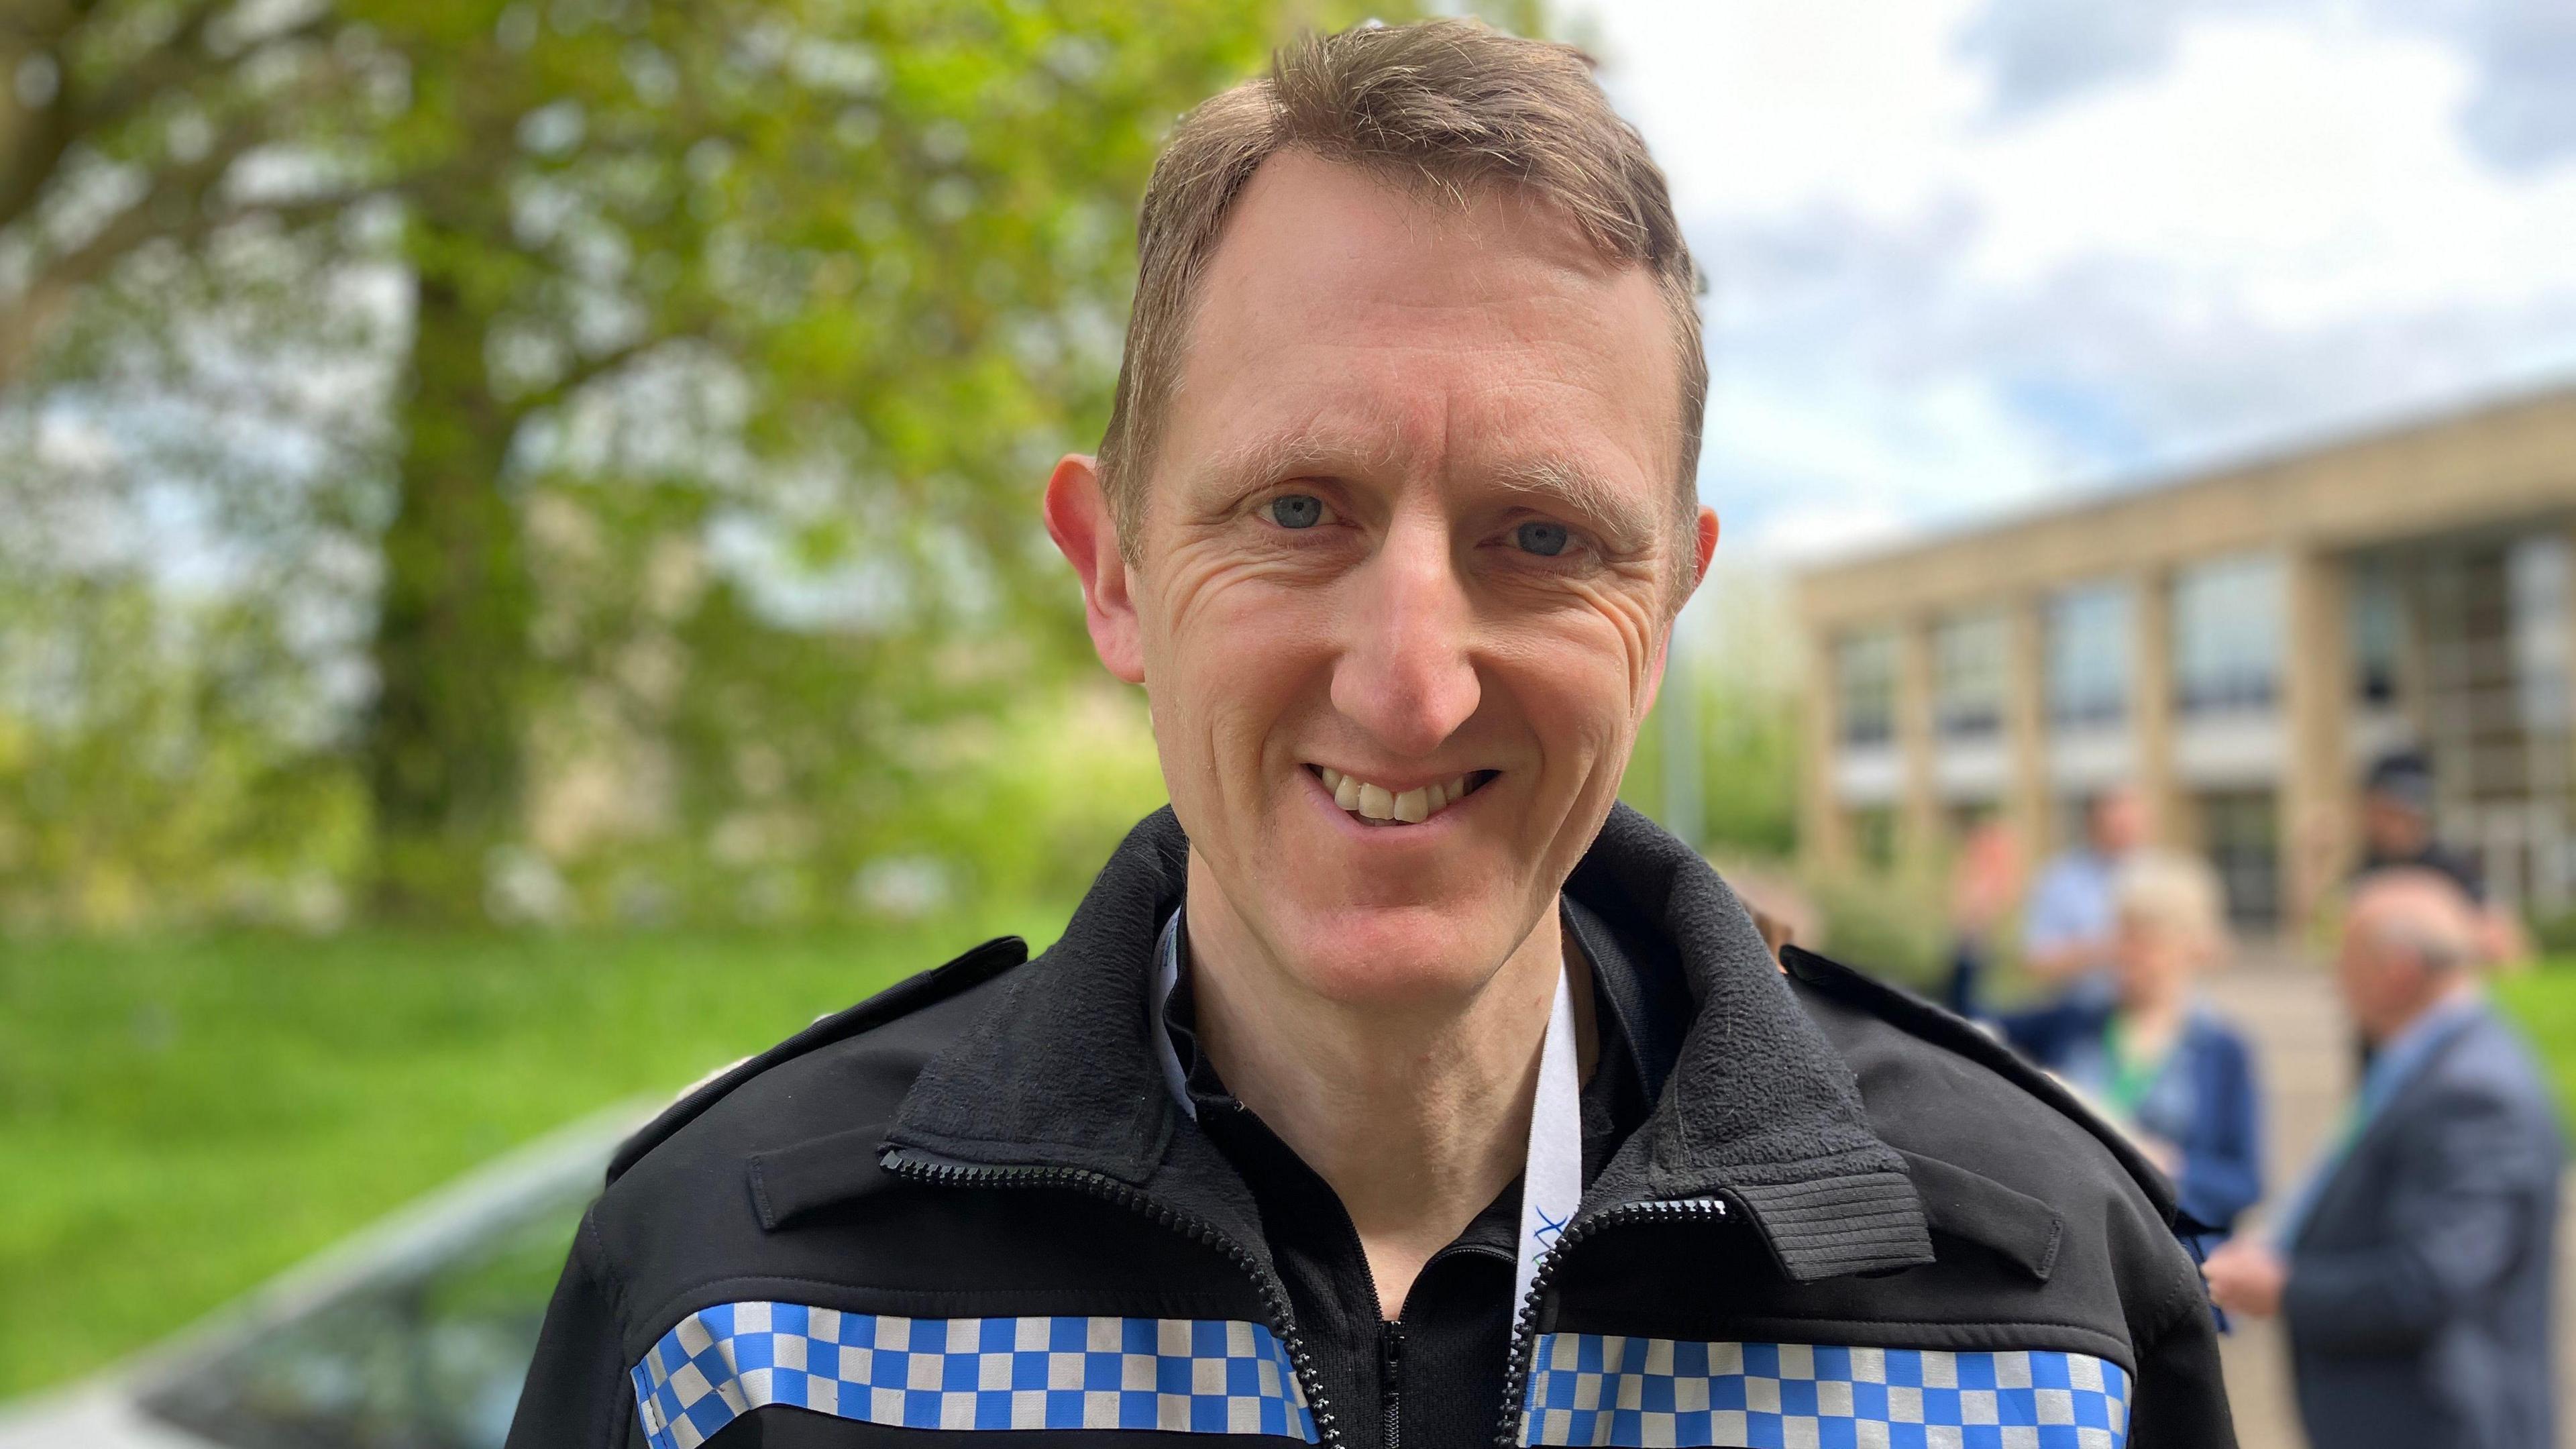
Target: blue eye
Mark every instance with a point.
(1547, 540)
(1296, 510)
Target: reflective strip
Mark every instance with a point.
(1206, 1376)
(1650, 1393)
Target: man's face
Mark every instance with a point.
(1411, 524)
(2380, 984)
(2391, 825)
(2119, 822)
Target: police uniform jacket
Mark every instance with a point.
(971, 1206)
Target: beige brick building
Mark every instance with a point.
(2241, 645)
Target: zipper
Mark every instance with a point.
(1390, 1381)
(1274, 1297)
(1525, 1329)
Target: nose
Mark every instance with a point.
(1406, 673)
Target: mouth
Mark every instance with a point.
(1374, 804)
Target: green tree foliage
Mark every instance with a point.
(621, 420)
(1734, 672)
(891, 236)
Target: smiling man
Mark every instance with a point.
(1395, 1087)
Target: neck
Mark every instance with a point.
(1417, 1116)
(2158, 1007)
(2461, 988)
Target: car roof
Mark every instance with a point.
(411, 1241)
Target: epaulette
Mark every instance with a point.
(901, 999)
(1919, 1018)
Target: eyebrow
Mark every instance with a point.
(1583, 492)
(1243, 468)
(1561, 482)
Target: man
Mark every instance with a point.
(2413, 1269)
(2397, 824)
(2397, 834)
(1392, 1088)
(2070, 928)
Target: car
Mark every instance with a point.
(415, 1334)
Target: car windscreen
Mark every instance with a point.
(427, 1356)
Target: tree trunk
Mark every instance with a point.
(451, 648)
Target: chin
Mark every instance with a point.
(1395, 957)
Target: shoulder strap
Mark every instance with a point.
(899, 1000)
(1920, 1018)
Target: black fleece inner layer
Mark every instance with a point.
(1433, 1378)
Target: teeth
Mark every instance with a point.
(1376, 802)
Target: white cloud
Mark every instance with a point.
(1936, 295)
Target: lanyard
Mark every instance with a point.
(1551, 1174)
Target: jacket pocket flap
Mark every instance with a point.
(2012, 1224)
(788, 1182)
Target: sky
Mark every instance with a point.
(1967, 257)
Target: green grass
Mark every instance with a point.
(2543, 1000)
(180, 1119)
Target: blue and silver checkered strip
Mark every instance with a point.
(1206, 1376)
(1649, 1393)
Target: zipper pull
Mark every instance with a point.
(1390, 1382)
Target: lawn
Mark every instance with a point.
(2544, 1002)
(181, 1119)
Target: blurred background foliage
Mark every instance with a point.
(566, 461)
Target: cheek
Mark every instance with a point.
(1228, 653)
(1579, 689)
(1623, 627)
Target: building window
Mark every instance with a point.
(2089, 633)
(2378, 633)
(2227, 635)
(1865, 687)
(2536, 580)
(1873, 835)
(2240, 830)
(1968, 675)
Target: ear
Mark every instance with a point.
(1077, 518)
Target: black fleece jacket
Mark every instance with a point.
(969, 1205)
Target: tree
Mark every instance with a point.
(802, 293)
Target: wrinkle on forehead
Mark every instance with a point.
(1347, 329)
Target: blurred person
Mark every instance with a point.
(2070, 926)
(2414, 1266)
(1985, 880)
(2169, 1070)
(2397, 834)
(2397, 825)
(1394, 1086)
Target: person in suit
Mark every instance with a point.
(2153, 1056)
(2413, 1267)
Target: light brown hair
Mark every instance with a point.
(1440, 107)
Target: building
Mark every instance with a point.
(2240, 645)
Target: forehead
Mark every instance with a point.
(1342, 312)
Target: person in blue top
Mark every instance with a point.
(2153, 1057)
(2068, 925)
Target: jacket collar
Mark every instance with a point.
(1061, 1072)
